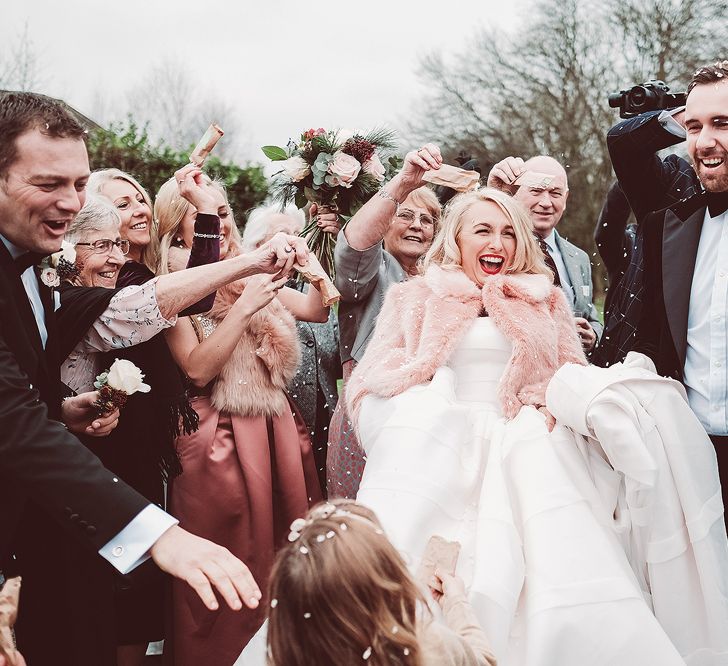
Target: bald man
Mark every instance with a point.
(546, 206)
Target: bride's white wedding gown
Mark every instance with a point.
(543, 554)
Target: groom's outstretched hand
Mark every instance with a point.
(204, 565)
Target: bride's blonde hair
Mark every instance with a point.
(341, 594)
(445, 252)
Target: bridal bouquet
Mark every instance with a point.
(336, 169)
(115, 385)
(59, 266)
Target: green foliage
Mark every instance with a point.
(127, 147)
(392, 166)
(382, 137)
(275, 153)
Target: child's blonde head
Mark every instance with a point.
(340, 593)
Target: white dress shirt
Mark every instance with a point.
(128, 549)
(30, 284)
(555, 253)
(706, 378)
(667, 120)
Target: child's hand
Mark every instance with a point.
(445, 585)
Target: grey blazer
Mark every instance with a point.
(578, 267)
(363, 278)
(319, 369)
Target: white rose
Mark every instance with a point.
(374, 167)
(67, 252)
(125, 376)
(49, 277)
(296, 168)
(343, 170)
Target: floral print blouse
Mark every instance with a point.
(131, 318)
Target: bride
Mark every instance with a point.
(586, 501)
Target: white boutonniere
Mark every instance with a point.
(59, 266)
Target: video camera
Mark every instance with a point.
(648, 96)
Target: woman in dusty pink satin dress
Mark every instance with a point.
(249, 470)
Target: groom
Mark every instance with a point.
(44, 470)
(684, 322)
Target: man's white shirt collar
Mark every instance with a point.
(550, 240)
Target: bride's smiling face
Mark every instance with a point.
(487, 241)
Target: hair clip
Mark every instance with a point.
(296, 528)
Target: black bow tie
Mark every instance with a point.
(717, 203)
(28, 259)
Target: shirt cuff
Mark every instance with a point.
(670, 124)
(130, 547)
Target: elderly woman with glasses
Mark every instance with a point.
(380, 246)
(99, 322)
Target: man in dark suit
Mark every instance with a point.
(684, 326)
(44, 469)
(546, 205)
(648, 183)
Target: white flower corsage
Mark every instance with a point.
(59, 266)
(117, 384)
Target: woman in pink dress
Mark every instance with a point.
(248, 470)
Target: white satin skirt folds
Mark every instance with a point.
(599, 543)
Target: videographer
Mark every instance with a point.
(648, 183)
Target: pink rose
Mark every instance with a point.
(49, 277)
(311, 133)
(343, 170)
(374, 167)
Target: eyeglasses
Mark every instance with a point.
(409, 216)
(105, 246)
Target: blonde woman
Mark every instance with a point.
(249, 468)
(134, 206)
(450, 402)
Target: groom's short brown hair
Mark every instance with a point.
(715, 73)
(24, 111)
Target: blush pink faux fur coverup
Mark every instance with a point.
(423, 319)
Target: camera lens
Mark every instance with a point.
(638, 96)
(615, 99)
(642, 98)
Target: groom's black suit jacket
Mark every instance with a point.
(649, 183)
(671, 238)
(41, 463)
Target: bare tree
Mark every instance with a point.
(539, 92)
(667, 39)
(20, 68)
(176, 110)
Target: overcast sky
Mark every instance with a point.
(286, 64)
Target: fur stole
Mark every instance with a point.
(423, 319)
(253, 380)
